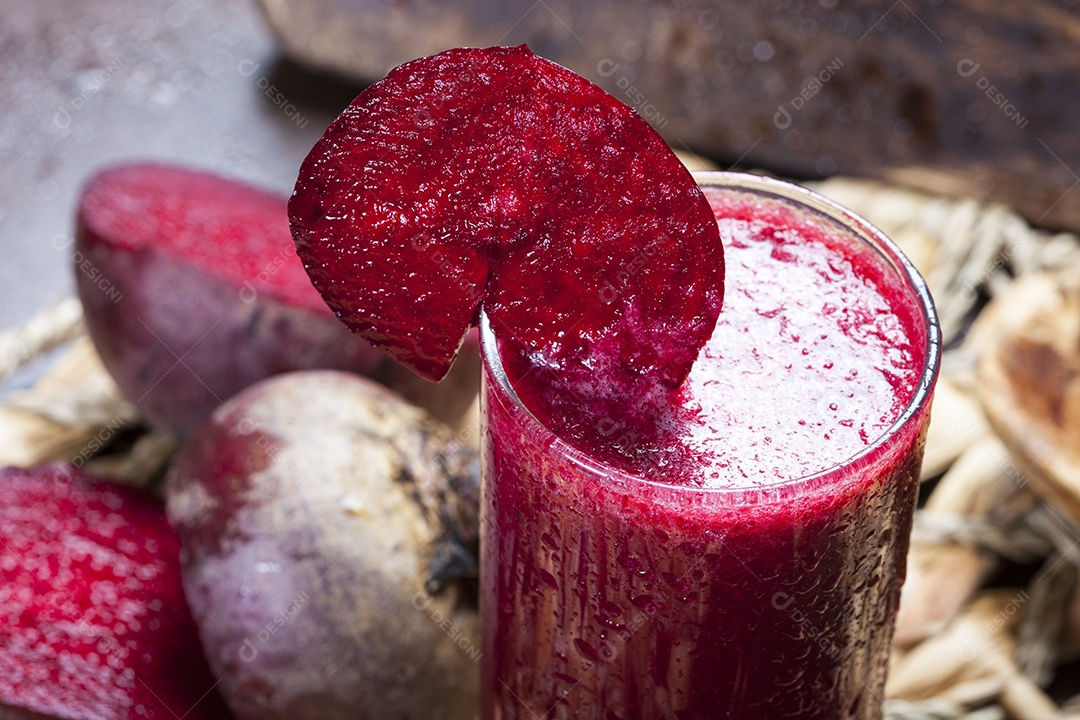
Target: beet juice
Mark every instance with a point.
(752, 569)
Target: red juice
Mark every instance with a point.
(753, 568)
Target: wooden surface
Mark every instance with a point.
(968, 97)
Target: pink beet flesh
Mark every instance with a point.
(235, 231)
(494, 176)
(93, 621)
(192, 291)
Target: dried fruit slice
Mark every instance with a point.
(494, 176)
(93, 621)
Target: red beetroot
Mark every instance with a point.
(324, 522)
(495, 177)
(193, 291)
(93, 621)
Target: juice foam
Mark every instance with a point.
(816, 353)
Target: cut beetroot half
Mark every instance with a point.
(192, 291)
(495, 177)
(93, 620)
(222, 226)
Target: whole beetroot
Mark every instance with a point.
(326, 528)
(192, 291)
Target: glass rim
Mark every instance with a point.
(832, 211)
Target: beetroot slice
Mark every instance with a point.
(93, 620)
(496, 176)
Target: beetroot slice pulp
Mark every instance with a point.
(496, 177)
(93, 620)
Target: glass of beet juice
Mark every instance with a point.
(755, 573)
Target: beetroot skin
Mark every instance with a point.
(93, 620)
(192, 291)
(326, 524)
(495, 177)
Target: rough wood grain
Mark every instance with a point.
(963, 98)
